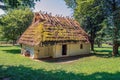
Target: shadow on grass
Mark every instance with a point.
(6, 46)
(65, 59)
(10, 46)
(103, 47)
(12, 51)
(27, 73)
(105, 53)
(109, 51)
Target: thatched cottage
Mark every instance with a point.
(54, 36)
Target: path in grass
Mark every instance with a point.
(16, 67)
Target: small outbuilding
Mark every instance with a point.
(54, 36)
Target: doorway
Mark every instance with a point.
(64, 49)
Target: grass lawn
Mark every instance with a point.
(101, 66)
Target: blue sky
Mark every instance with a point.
(53, 6)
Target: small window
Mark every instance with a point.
(81, 46)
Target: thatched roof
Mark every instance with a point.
(47, 28)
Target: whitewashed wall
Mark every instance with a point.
(28, 48)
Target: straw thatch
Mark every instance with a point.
(47, 28)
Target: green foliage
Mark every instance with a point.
(99, 17)
(15, 22)
(18, 3)
(71, 3)
(112, 21)
(98, 67)
(91, 14)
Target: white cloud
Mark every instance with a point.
(1, 12)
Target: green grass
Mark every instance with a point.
(98, 67)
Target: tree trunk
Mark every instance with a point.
(14, 41)
(115, 42)
(115, 49)
(92, 34)
(92, 39)
(99, 44)
(21, 45)
(92, 46)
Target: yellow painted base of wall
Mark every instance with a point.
(72, 50)
(55, 51)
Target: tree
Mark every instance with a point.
(111, 13)
(71, 3)
(100, 36)
(113, 9)
(15, 22)
(90, 14)
(17, 3)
